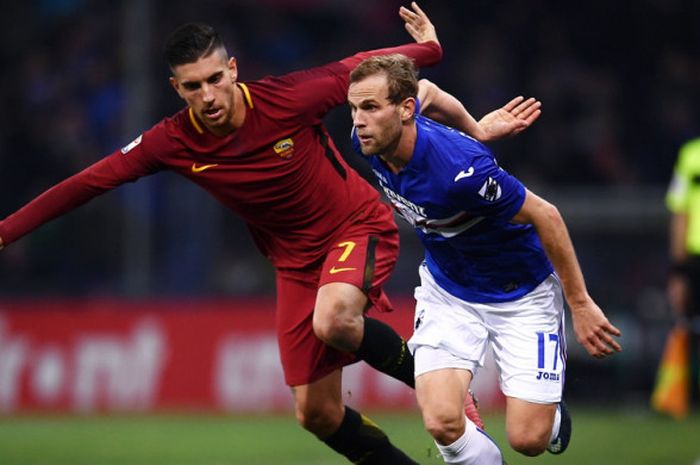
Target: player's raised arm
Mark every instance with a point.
(444, 108)
(418, 24)
(592, 328)
(425, 52)
(509, 120)
(326, 87)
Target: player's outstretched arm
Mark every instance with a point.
(425, 52)
(444, 108)
(509, 120)
(2, 246)
(418, 24)
(592, 328)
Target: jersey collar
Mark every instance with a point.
(246, 97)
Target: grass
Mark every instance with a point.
(600, 437)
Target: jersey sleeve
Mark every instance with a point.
(425, 54)
(128, 164)
(485, 189)
(316, 91)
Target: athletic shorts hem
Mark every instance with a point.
(439, 358)
(534, 397)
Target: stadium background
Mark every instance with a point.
(619, 86)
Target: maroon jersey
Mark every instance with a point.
(280, 171)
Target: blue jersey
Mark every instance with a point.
(460, 203)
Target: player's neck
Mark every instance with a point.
(398, 157)
(237, 115)
(239, 108)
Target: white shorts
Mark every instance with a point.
(527, 337)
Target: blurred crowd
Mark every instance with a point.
(618, 82)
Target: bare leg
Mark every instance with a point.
(529, 425)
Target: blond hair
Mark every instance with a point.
(400, 71)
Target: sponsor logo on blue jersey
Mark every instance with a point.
(490, 191)
(415, 215)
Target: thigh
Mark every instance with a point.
(364, 255)
(305, 358)
(449, 324)
(441, 393)
(339, 315)
(529, 344)
(525, 418)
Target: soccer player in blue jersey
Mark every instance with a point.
(497, 258)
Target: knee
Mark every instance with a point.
(530, 442)
(329, 325)
(338, 325)
(444, 428)
(320, 420)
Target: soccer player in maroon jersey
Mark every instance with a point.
(260, 148)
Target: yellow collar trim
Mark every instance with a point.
(246, 94)
(195, 123)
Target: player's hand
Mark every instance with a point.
(2, 246)
(511, 119)
(593, 330)
(418, 24)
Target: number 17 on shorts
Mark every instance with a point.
(548, 357)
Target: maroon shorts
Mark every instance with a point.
(362, 255)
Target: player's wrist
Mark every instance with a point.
(579, 301)
(479, 130)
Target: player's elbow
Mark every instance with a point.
(551, 213)
(538, 212)
(543, 213)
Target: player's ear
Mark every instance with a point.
(176, 86)
(233, 68)
(408, 109)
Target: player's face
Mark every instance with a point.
(377, 121)
(208, 87)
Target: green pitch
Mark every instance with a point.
(599, 438)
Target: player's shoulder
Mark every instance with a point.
(182, 124)
(451, 151)
(170, 132)
(449, 139)
(690, 149)
(297, 78)
(280, 97)
(471, 175)
(688, 162)
(692, 144)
